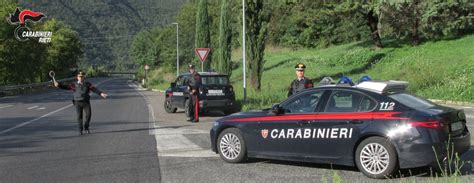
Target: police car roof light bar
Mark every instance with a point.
(383, 86)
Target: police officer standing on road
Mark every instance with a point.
(194, 84)
(81, 89)
(300, 82)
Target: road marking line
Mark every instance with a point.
(6, 106)
(41, 108)
(29, 108)
(33, 120)
(173, 143)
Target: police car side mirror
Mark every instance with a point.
(276, 109)
(173, 85)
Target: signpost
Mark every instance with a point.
(147, 67)
(202, 54)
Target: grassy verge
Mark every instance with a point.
(159, 79)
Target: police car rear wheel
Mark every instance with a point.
(376, 158)
(169, 107)
(231, 146)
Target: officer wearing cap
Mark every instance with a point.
(300, 82)
(194, 84)
(81, 89)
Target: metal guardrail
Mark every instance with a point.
(10, 88)
(119, 73)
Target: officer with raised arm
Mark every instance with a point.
(81, 89)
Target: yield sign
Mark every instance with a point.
(202, 53)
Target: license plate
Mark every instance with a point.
(456, 126)
(214, 91)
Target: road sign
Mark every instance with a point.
(202, 53)
(147, 67)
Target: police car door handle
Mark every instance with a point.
(355, 121)
(303, 122)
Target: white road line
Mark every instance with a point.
(6, 106)
(29, 108)
(41, 108)
(33, 120)
(172, 142)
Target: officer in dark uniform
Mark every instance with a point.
(81, 89)
(194, 84)
(300, 82)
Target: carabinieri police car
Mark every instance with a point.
(374, 125)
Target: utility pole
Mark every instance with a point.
(243, 51)
(177, 48)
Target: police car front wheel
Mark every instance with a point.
(168, 106)
(231, 146)
(376, 158)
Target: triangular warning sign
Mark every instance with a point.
(202, 53)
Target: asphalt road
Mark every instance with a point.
(39, 139)
(134, 140)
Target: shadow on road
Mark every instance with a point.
(140, 129)
(422, 172)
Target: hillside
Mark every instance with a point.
(106, 27)
(435, 70)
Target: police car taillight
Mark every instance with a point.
(435, 124)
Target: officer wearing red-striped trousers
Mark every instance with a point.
(194, 84)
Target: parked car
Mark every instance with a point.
(215, 93)
(376, 126)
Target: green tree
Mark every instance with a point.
(452, 18)
(256, 32)
(6, 39)
(202, 36)
(403, 18)
(145, 49)
(308, 23)
(64, 51)
(225, 40)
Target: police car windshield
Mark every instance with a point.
(215, 80)
(412, 101)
